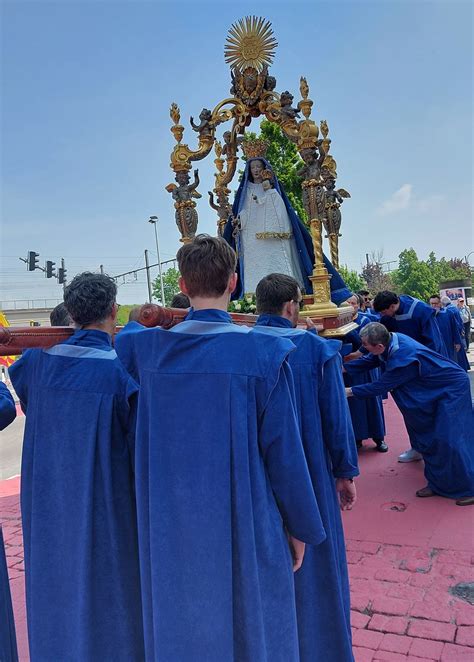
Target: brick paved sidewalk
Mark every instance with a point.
(405, 556)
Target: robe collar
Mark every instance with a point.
(273, 320)
(392, 347)
(90, 338)
(209, 315)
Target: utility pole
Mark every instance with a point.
(148, 279)
(154, 221)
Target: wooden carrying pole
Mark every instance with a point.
(14, 340)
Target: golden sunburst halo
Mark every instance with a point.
(250, 43)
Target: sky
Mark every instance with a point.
(86, 88)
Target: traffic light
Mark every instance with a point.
(50, 271)
(62, 275)
(33, 261)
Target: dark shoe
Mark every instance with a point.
(381, 445)
(425, 492)
(465, 501)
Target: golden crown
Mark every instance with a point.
(254, 149)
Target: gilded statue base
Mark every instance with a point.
(332, 322)
(320, 301)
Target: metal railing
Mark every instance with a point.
(28, 304)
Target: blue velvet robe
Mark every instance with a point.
(220, 472)
(434, 396)
(449, 331)
(7, 408)
(304, 243)
(367, 416)
(461, 357)
(417, 319)
(8, 648)
(322, 585)
(77, 502)
(124, 348)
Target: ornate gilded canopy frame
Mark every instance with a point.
(249, 51)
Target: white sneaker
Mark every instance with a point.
(410, 455)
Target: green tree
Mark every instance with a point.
(170, 285)
(352, 279)
(420, 278)
(285, 161)
(414, 277)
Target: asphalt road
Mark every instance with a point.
(11, 442)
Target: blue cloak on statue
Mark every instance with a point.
(304, 244)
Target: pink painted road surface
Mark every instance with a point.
(404, 553)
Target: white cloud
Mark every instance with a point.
(397, 201)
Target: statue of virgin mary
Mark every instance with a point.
(269, 237)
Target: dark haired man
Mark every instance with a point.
(180, 300)
(366, 307)
(221, 474)
(410, 316)
(59, 316)
(77, 494)
(322, 585)
(434, 396)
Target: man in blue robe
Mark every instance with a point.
(59, 316)
(8, 649)
(448, 327)
(301, 236)
(7, 406)
(77, 493)
(368, 421)
(454, 311)
(411, 317)
(414, 318)
(434, 397)
(222, 481)
(322, 586)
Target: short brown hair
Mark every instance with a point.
(206, 264)
(273, 291)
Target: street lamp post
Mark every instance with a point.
(154, 221)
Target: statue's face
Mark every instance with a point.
(182, 178)
(270, 82)
(256, 168)
(227, 136)
(250, 81)
(307, 155)
(330, 184)
(205, 114)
